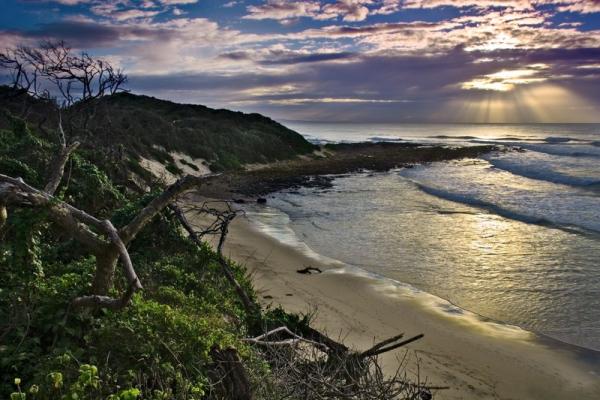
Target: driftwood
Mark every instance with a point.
(309, 270)
(329, 345)
(305, 369)
(294, 339)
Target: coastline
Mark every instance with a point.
(475, 358)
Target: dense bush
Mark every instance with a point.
(125, 126)
(158, 347)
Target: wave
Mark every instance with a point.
(557, 139)
(505, 212)
(586, 149)
(540, 170)
(392, 139)
(452, 137)
(564, 150)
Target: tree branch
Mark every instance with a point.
(219, 226)
(128, 232)
(57, 167)
(15, 192)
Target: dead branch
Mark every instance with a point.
(57, 167)
(309, 270)
(219, 226)
(380, 348)
(294, 340)
(101, 238)
(52, 68)
(301, 372)
(129, 231)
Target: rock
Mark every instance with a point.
(261, 200)
(239, 201)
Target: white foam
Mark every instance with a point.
(509, 195)
(569, 171)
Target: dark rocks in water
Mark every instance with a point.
(261, 200)
(309, 270)
(239, 201)
(347, 159)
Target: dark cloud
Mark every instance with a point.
(308, 58)
(83, 34)
(416, 87)
(324, 68)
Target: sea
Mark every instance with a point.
(513, 236)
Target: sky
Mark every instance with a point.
(341, 60)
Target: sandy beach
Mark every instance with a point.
(476, 359)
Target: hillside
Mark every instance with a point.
(109, 294)
(226, 139)
(127, 127)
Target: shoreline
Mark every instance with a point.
(475, 357)
(317, 169)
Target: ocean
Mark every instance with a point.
(513, 237)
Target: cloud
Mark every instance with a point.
(507, 79)
(321, 100)
(584, 7)
(348, 10)
(285, 10)
(337, 63)
(133, 14)
(176, 2)
(63, 2)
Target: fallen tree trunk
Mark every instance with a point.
(101, 238)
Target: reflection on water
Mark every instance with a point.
(514, 236)
(539, 278)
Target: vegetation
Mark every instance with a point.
(164, 337)
(125, 126)
(73, 326)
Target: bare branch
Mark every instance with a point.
(129, 232)
(219, 226)
(15, 192)
(57, 167)
(54, 67)
(295, 339)
(379, 349)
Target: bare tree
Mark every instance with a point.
(53, 69)
(53, 72)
